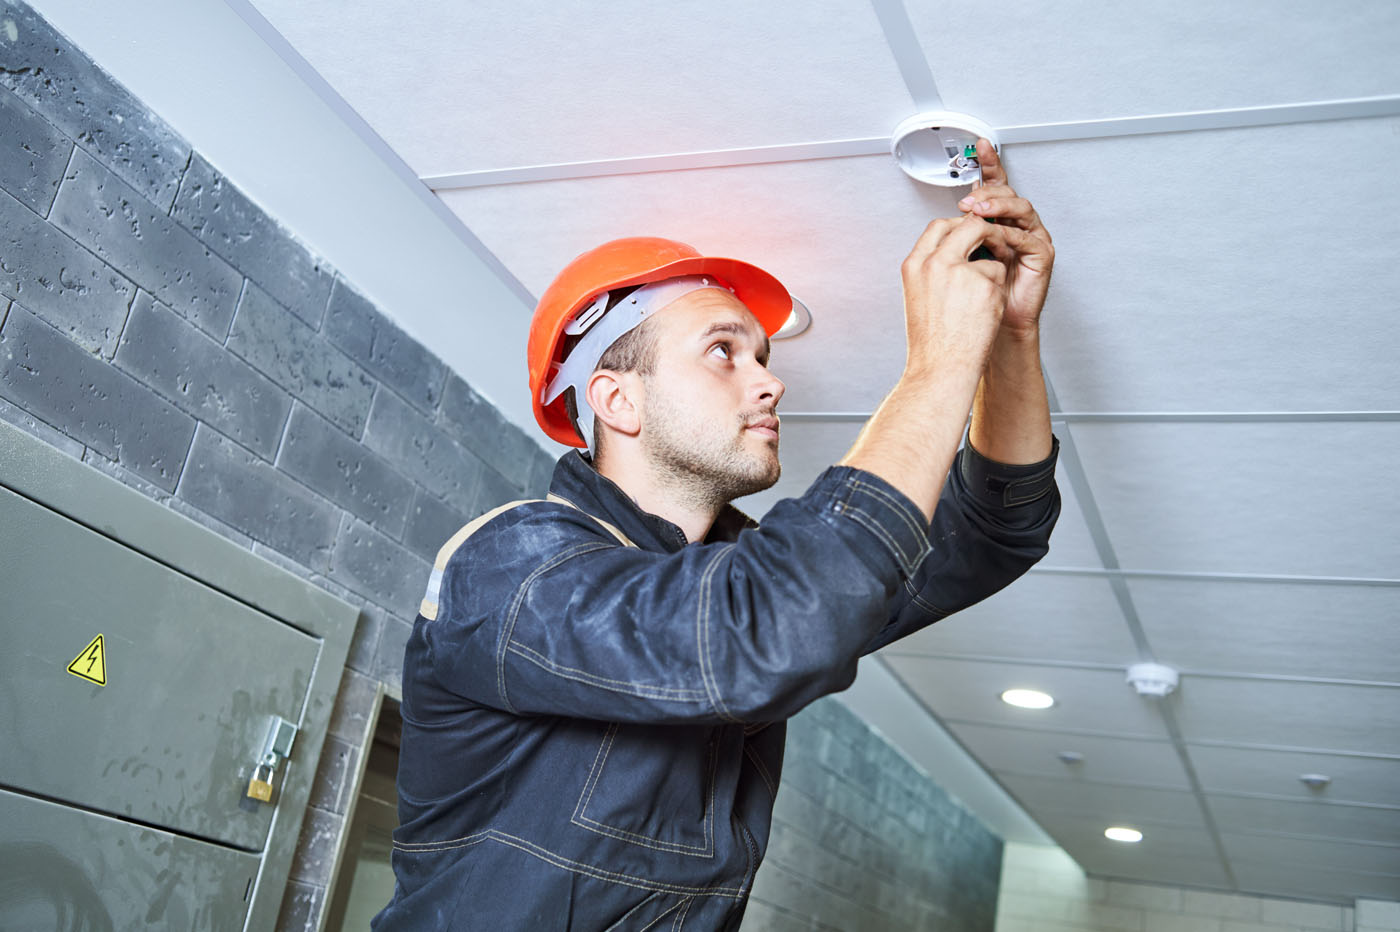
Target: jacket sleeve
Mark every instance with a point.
(542, 612)
(992, 523)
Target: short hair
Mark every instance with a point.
(634, 351)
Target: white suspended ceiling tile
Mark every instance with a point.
(1305, 716)
(1222, 270)
(1296, 629)
(1314, 499)
(1052, 62)
(1247, 770)
(1176, 855)
(1314, 818)
(1112, 804)
(1094, 701)
(1317, 880)
(1041, 616)
(1374, 859)
(494, 83)
(834, 231)
(1031, 752)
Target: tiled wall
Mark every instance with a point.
(159, 326)
(1043, 890)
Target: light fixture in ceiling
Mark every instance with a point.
(1315, 781)
(1028, 698)
(940, 147)
(799, 320)
(1123, 833)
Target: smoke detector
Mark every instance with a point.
(1153, 679)
(940, 147)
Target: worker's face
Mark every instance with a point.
(708, 417)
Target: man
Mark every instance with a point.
(596, 686)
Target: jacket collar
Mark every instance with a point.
(575, 479)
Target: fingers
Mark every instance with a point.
(993, 172)
(929, 241)
(1016, 210)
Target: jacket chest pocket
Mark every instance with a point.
(653, 786)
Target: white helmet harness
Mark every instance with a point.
(599, 328)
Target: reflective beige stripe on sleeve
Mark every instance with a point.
(429, 607)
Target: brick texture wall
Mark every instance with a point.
(1043, 890)
(159, 326)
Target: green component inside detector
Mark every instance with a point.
(970, 152)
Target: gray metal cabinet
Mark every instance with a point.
(123, 781)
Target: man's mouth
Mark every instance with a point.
(764, 427)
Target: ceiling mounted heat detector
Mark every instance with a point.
(940, 147)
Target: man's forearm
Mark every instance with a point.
(913, 436)
(1011, 413)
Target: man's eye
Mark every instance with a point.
(722, 349)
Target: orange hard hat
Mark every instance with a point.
(621, 263)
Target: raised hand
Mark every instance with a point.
(1031, 256)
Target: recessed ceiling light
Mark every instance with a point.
(1120, 833)
(1027, 698)
(799, 320)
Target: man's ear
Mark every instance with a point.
(615, 399)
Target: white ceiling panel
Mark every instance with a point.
(1312, 716)
(1375, 859)
(1317, 879)
(1095, 701)
(1311, 499)
(1318, 819)
(1258, 294)
(1297, 629)
(1041, 616)
(1093, 60)
(488, 84)
(1240, 770)
(1167, 854)
(1030, 752)
(1118, 805)
(834, 231)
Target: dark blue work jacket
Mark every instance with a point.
(593, 710)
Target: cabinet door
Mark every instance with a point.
(193, 678)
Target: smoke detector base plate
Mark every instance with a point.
(940, 147)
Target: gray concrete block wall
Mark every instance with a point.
(159, 326)
(863, 839)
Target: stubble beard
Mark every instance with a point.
(696, 463)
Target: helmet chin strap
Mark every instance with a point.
(599, 328)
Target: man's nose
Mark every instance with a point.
(768, 388)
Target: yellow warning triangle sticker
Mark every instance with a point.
(91, 664)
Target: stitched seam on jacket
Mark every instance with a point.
(706, 850)
(644, 690)
(763, 773)
(669, 911)
(895, 505)
(631, 913)
(514, 613)
(702, 634)
(874, 527)
(680, 919)
(923, 603)
(558, 860)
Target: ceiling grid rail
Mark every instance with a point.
(1074, 470)
(1182, 122)
(1201, 576)
(1150, 417)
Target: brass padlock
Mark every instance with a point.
(260, 786)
